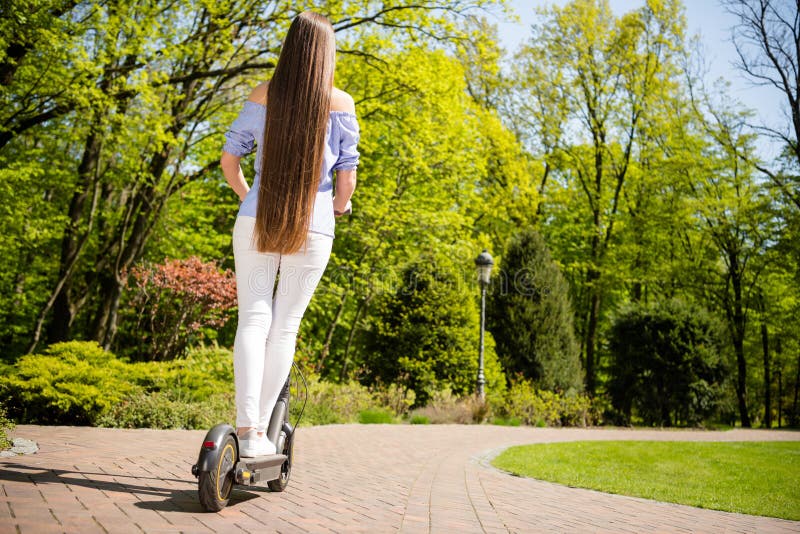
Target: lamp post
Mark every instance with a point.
(484, 264)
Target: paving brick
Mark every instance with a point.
(414, 479)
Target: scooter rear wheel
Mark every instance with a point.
(215, 486)
(280, 483)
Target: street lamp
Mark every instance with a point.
(484, 264)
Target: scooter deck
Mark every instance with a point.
(259, 469)
(260, 462)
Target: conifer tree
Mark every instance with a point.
(530, 316)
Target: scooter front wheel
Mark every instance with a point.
(215, 486)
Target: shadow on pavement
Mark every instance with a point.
(175, 500)
(182, 502)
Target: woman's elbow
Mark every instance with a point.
(228, 161)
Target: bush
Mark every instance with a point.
(530, 316)
(420, 420)
(6, 426)
(506, 421)
(375, 416)
(444, 407)
(424, 336)
(666, 364)
(80, 383)
(171, 305)
(71, 383)
(163, 410)
(330, 403)
(201, 374)
(531, 406)
(395, 397)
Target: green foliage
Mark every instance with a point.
(592, 90)
(421, 194)
(80, 383)
(419, 420)
(533, 406)
(6, 426)
(166, 409)
(425, 334)
(349, 402)
(330, 403)
(530, 316)
(394, 397)
(375, 416)
(201, 374)
(643, 191)
(80, 80)
(666, 366)
(757, 478)
(506, 421)
(70, 383)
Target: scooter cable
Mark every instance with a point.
(305, 397)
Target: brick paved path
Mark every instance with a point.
(348, 478)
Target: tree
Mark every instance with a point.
(424, 335)
(767, 39)
(666, 364)
(421, 193)
(737, 219)
(609, 75)
(121, 105)
(530, 316)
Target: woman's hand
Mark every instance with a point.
(348, 208)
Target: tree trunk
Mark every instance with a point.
(738, 324)
(108, 299)
(591, 330)
(795, 415)
(63, 308)
(361, 306)
(592, 278)
(129, 242)
(767, 381)
(326, 347)
(147, 210)
(542, 184)
(593, 274)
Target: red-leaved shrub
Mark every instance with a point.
(168, 305)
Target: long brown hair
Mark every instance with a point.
(298, 106)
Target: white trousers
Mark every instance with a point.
(269, 317)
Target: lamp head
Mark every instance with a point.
(484, 263)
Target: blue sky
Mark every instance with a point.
(711, 22)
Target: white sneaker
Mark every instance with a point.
(252, 445)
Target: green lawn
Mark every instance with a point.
(760, 478)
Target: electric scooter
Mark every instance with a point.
(219, 466)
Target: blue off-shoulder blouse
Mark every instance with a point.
(341, 153)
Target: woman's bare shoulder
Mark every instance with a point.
(259, 94)
(341, 101)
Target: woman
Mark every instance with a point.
(305, 130)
